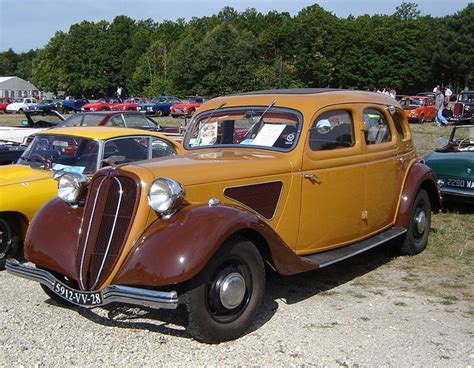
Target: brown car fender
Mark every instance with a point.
(52, 238)
(175, 250)
(420, 176)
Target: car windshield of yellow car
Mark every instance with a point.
(276, 129)
(61, 152)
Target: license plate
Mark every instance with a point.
(77, 297)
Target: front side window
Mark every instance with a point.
(161, 148)
(130, 148)
(332, 130)
(276, 129)
(376, 127)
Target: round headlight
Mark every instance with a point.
(165, 195)
(71, 186)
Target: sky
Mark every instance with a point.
(29, 24)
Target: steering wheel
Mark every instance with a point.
(466, 141)
(40, 157)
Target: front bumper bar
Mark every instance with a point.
(110, 294)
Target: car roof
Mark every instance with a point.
(101, 132)
(420, 97)
(306, 100)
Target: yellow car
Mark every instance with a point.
(292, 179)
(27, 185)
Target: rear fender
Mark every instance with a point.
(420, 176)
(175, 250)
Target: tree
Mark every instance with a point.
(407, 10)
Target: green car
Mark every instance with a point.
(453, 164)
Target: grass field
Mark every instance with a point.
(447, 263)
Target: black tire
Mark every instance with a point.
(214, 317)
(159, 112)
(57, 299)
(421, 119)
(418, 230)
(9, 236)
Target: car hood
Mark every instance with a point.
(94, 104)
(186, 105)
(15, 174)
(150, 104)
(219, 166)
(456, 164)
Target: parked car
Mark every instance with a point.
(418, 109)
(453, 164)
(27, 185)
(71, 104)
(10, 151)
(21, 104)
(318, 176)
(427, 94)
(47, 105)
(187, 109)
(130, 104)
(463, 110)
(159, 106)
(103, 104)
(4, 102)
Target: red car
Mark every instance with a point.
(418, 109)
(187, 109)
(130, 104)
(104, 104)
(4, 102)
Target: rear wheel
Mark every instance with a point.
(421, 119)
(227, 294)
(158, 112)
(418, 230)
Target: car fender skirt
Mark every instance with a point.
(419, 176)
(52, 237)
(175, 250)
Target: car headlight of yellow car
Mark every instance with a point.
(165, 196)
(71, 187)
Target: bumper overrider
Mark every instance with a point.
(110, 294)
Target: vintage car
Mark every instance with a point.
(4, 102)
(463, 110)
(453, 164)
(418, 109)
(46, 105)
(71, 104)
(319, 175)
(28, 184)
(427, 94)
(10, 151)
(21, 104)
(103, 104)
(130, 104)
(159, 106)
(187, 109)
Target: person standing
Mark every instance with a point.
(448, 93)
(119, 93)
(440, 120)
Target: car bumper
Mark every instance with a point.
(110, 294)
(461, 193)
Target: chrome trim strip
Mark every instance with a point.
(110, 294)
(81, 281)
(111, 234)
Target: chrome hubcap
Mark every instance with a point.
(232, 290)
(420, 220)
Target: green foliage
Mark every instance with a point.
(238, 51)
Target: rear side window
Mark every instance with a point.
(332, 130)
(377, 129)
(398, 122)
(138, 122)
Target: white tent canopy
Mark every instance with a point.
(17, 87)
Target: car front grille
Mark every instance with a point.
(110, 207)
(458, 109)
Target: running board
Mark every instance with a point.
(335, 255)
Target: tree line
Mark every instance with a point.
(240, 51)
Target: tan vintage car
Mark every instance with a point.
(292, 179)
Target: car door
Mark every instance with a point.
(333, 181)
(384, 169)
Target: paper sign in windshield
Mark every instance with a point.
(268, 135)
(71, 169)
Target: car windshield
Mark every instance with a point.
(83, 120)
(466, 97)
(158, 99)
(45, 102)
(42, 118)
(62, 152)
(196, 100)
(276, 129)
(463, 133)
(411, 102)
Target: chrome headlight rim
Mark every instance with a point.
(165, 195)
(71, 187)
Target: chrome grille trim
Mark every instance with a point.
(88, 233)
(111, 234)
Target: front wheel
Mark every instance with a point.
(419, 227)
(9, 237)
(159, 113)
(421, 119)
(227, 294)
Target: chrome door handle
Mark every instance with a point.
(310, 176)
